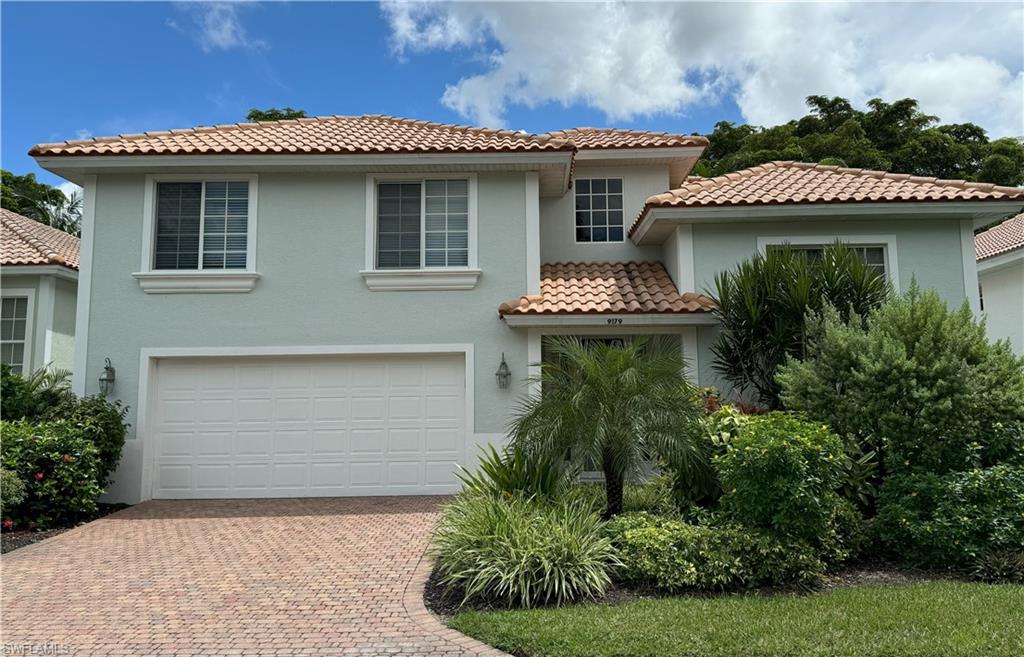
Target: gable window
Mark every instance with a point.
(14, 332)
(202, 225)
(599, 210)
(423, 224)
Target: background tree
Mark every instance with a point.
(44, 203)
(763, 304)
(274, 114)
(616, 406)
(895, 136)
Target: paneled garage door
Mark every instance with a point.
(308, 426)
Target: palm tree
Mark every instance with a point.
(619, 406)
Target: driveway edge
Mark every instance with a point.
(418, 612)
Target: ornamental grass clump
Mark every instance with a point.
(520, 551)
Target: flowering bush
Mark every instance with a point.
(100, 421)
(58, 467)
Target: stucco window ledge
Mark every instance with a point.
(420, 279)
(196, 282)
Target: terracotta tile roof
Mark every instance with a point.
(1000, 239)
(318, 135)
(606, 287)
(780, 183)
(600, 138)
(358, 134)
(24, 241)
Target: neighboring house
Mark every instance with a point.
(39, 284)
(1000, 253)
(328, 306)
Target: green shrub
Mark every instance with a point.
(922, 385)
(720, 427)
(952, 520)
(59, 467)
(12, 490)
(27, 397)
(100, 421)
(1005, 565)
(514, 471)
(673, 556)
(763, 303)
(780, 475)
(521, 551)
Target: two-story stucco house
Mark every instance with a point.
(323, 306)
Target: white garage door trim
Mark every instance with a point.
(149, 357)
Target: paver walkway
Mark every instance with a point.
(326, 576)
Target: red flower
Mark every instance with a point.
(39, 476)
(8, 524)
(67, 458)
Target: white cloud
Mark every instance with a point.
(963, 61)
(217, 26)
(69, 188)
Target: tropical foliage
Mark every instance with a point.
(763, 303)
(44, 203)
(894, 136)
(619, 406)
(519, 550)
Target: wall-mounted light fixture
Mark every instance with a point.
(108, 377)
(504, 375)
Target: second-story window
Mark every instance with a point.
(201, 225)
(599, 210)
(423, 224)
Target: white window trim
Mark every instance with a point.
(424, 278)
(892, 269)
(180, 281)
(625, 223)
(27, 364)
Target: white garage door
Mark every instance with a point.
(308, 426)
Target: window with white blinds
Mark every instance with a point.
(202, 225)
(423, 224)
(14, 324)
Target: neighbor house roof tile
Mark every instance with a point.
(781, 183)
(607, 138)
(1000, 239)
(606, 287)
(319, 135)
(24, 241)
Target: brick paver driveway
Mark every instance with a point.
(329, 576)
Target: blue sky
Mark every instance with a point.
(93, 69)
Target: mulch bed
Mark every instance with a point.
(19, 538)
(447, 604)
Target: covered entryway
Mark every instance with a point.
(301, 426)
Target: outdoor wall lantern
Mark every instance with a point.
(108, 377)
(503, 374)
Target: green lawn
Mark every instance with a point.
(933, 619)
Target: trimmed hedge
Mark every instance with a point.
(674, 556)
(59, 467)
